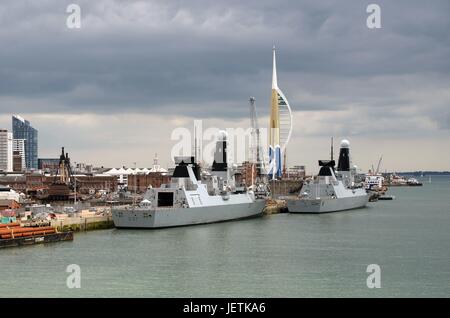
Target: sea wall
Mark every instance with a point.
(281, 188)
(77, 224)
(275, 206)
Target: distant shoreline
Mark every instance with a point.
(424, 173)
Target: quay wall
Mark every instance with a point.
(281, 188)
(77, 224)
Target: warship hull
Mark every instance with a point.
(172, 217)
(327, 205)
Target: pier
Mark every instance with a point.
(275, 207)
(285, 187)
(80, 224)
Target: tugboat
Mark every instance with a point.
(330, 191)
(193, 199)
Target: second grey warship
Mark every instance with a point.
(330, 190)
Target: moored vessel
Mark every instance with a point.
(413, 182)
(330, 190)
(193, 198)
(13, 234)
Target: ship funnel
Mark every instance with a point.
(62, 156)
(344, 156)
(220, 156)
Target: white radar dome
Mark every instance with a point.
(223, 135)
(345, 143)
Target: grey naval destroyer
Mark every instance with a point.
(331, 190)
(194, 197)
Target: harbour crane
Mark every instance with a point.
(378, 166)
(255, 149)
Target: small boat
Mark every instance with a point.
(412, 182)
(396, 180)
(386, 197)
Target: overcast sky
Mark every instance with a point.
(112, 91)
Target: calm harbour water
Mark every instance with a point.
(275, 256)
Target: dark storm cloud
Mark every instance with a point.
(205, 58)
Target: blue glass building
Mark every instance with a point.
(22, 129)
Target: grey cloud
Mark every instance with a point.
(205, 58)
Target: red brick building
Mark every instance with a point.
(85, 183)
(246, 171)
(9, 205)
(140, 182)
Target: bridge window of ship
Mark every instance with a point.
(165, 199)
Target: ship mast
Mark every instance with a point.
(195, 144)
(255, 149)
(332, 148)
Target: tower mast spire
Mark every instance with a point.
(274, 71)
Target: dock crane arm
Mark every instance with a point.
(379, 163)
